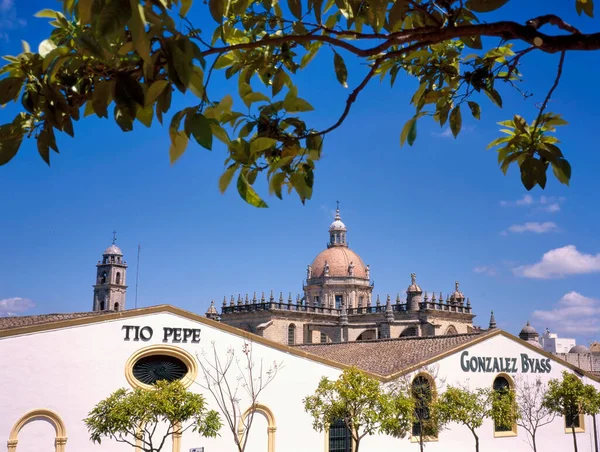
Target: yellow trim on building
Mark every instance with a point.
(271, 426)
(513, 431)
(580, 429)
(161, 349)
(60, 439)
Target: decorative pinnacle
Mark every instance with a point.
(246, 300)
(290, 298)
(280, 297)
(492, 321)
(225, 300)
(114, 240)
(337, 211)
(456, 283)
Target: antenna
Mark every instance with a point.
(137, 274)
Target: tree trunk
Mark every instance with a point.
(595, 434)
(533, 442)
(421, 441)
(574, 436)
(476, 440)
(356, 444)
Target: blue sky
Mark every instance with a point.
(441, 209)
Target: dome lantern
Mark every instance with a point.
(337, 230)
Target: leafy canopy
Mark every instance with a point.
(122, 59)
(129, 416)
(362, 403)
(570, 397)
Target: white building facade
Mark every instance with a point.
(57, 368)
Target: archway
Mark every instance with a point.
(451, 330)
(367, 335)
(53, 418)
(410, 331)
(271, 427)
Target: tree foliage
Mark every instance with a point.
(570, 397)
(362, 403)
(134, 416)
(472, 407)
(122, 59)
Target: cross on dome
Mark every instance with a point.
(114, 240)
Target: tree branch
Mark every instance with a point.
(549, 95)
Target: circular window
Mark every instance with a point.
(153, 368)
(160, 362)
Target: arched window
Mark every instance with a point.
(53, 418)
(103, 278)
(116, 306)
(410, 331)
(118, 280)
(102, 305)
(367, 335)
(423, 392)
(340, 437)
(291, 334)
(503, 385)
(451, 330)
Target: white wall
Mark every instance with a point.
(70, 370)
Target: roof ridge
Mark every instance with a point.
(393, 339)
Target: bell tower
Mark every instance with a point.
(110, 288)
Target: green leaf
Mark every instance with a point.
(252, 97)
(43, 149)
(295, 7)
(455, 121)
(301, 186)
(293, 104)
(145, 115)
(128, 93)
(562, 171)
(473, 42)
(48, 13)
(217, 9)
(200, 129)
(409, 132)
(276, 183)
(226, 177)
(247, 192)
(9, 147)
(185, 7)
(179, 142)
(155, 90)
(398, 12)
(262, 143)
(494, 96)
(102, 97)
(314, 142)
(10, 88)
(485, 6)
(48, 59)
(341, 72)
(113, 17)
(137, 26)
(475, 109)
(280, 80)
(84, 11)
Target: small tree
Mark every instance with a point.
(531, 412)
(133, 416)
(236, 385)
(361, 403)
(471, 408)
(571, 398)
(421, 388)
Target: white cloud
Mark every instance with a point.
(549, 204)
(561, 262)
(486, 270)
(573, 314)
(535, 227)
(15, 305)
(8, 19)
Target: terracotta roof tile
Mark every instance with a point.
(388, 356)
(28, 320)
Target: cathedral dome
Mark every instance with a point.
(338, 258)
(113, 250)
(579, 349)
(528, 329)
